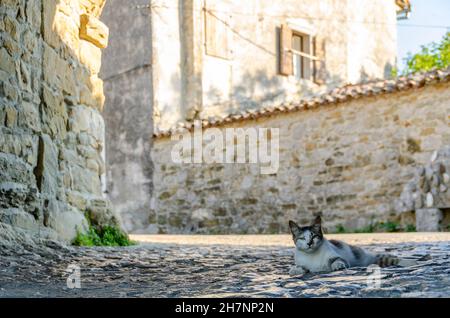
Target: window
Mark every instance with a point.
(301, 56)
(217, 34)
(300, 62)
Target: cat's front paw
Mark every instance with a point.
(338, 265)
(297, 271)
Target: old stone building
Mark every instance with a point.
(354, 145)
(51, 128)
(360, 154)
(171, 62)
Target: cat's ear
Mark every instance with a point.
(317, 224)
(295, 229)
(317, 220)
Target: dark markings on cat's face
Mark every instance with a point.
(307, 238)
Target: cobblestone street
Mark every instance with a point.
(221, 266)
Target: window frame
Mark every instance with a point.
(313, 52)
(305, 54)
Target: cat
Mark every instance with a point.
(314, 253)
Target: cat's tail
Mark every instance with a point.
(385, 260)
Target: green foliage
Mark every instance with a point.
(432, 56)
(389, 226)
(340, 229)
(367, 229)
(90, 238)
(104, 236)
(394, 72)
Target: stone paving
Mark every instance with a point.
(221, 266)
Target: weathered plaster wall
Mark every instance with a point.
(157, 72)
(126, 71)
(349, 161)
(359, 37)
(51, 128)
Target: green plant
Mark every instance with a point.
(389, 226)
(367, 229)
(394, 72)
(431, 56)
(90, 238)
(410, 228)
(340, 229)
(102, 236)
(105, 236)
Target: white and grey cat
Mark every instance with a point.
(314, 253)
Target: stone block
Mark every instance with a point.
(68, 31)
(65, 220)
(11, 92)
(428, 220)
(49, 22)
(96, 89)
(13, 169)
(47, 169)
(92, 7)
(94, 31)
(49, 65)
(85, 181)
(7, 62)
(33, 13)
(53, 101)
(86, 97)
(77, 200)
(90, 56)
(12, 27)
(10, 116)
(79, 118)
(19, 218)
(100, 213)
(28, 117)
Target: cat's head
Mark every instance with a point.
(307, 238)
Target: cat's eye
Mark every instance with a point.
(301, 238)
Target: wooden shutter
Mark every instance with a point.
(286, 63)
(320, 72)
(217, 25)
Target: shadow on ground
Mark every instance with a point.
(171, 270)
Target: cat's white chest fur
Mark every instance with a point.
(319, 261)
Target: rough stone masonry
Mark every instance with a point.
(51, 129)
(347, 155)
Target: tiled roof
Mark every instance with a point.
(335, 96)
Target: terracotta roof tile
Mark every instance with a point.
(337, 95)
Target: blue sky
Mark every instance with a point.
(424, 12)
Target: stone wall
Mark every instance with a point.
(51, 129)
(427, 193)
(158, 74)
(126, 71)
(349, 161)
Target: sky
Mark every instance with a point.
(424, 12)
